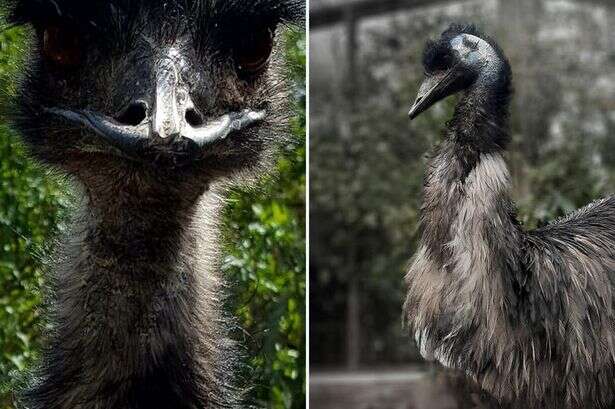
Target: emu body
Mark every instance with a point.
(152, 109)
(528, 315)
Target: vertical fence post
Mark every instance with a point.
(610, 30)
(353, 307)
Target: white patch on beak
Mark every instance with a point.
(172, 98)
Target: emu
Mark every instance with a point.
(153, 109)
(526, 315)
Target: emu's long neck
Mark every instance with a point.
(137, 317)
(467, 214)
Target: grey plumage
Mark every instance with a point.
(122, 96)
(527, 315)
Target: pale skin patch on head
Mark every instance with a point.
(478, 53)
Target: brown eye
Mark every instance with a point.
(61, 46)
(253, 51)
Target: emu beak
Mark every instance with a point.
(433, 89)
(134, 140)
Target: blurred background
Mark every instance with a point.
(367, 162)
(265, 236)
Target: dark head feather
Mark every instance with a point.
(438, 54)
(117, 22)
(33, 11)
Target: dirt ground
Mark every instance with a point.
(396, 388)
(400, 388)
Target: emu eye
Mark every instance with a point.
(61, 46)
(442, 62)
(253, 50)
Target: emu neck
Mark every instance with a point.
(480, 121)
(137, 302)
(149, 234)
(467, 182)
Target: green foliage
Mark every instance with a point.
(266, 247)
(266, 237)
(28, 211)
(30, 204)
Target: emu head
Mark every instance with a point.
(461, 59)
(180, 89)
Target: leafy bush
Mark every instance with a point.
(267, 260)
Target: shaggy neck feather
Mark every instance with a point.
(136, 314)
(467, 184)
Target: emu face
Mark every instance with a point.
(453, 63)
(179, 86)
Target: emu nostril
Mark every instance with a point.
(194, 117)
(134, 114)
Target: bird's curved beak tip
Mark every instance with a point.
(416, 109)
